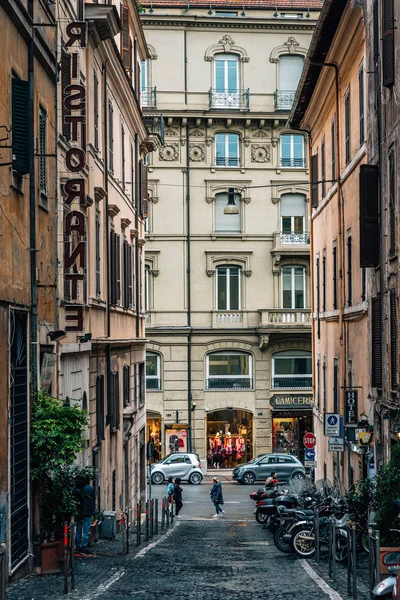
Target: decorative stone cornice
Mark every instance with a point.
(125, 223)
(113, 210)
(291, 46)
(226, 44)
(99, 194)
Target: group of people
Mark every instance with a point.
(174, 494)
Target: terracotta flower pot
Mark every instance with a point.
(49, 557)
(388, 556)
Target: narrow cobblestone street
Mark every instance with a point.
(199, 558)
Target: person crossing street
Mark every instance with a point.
(217, 497)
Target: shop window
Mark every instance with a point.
(229, 438)
(287, 436)
(228, 288)
(293, 287)
(229, 370)
(153, 378)
(291, 369)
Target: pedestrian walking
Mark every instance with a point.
(217, 497)
(178, 496)
(84, 492)
(170, 490)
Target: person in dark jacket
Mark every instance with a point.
(178, 496)
(217, 497)
(84, 492)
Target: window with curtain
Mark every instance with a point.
(153, 370)
(229, 370)
(290, 68)
(293, 214)
(292, 369)
(293, 287)
(227, 223)
(228, 288)
(227, 150)
(292, 151)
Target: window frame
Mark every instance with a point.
(293, 289)
(236, 60)
(290, 354)
(228, 291)
(224, 197)
(156, 377)
(292, 158)
(226, 158)
(233, 378)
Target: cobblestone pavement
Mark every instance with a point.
(199, 558)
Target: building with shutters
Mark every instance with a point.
(228, 368)
(102, 147)
(331, 104)
(383, 112)
(27, 249)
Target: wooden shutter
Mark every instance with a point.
(349, 271)
(125, 37)
(323, 167)
(361, 104)
(376, 325)
(314, 180)
(393, 337)
(100, 408)
(347, 126)
(126, 385)
(116, 404)
(369, 218)
(113, 260)
(388, 42)
(143, 189)
(335, 271)
(21, 161)
(318, 297)
(111, 136)
(96, 109)
(333, 146)
(65, 81)
(118, 267)
(392, 204)
(130, 275)
(127, 277)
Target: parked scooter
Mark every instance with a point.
(389, 588)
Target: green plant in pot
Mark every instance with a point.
(387, 491)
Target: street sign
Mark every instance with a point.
(336, 444)
(309, 455)
(310, 464)
(309, 440)
(332, 424)
(350, 408)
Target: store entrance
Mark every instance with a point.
(229, 438)
(153, 437)
(288, 431)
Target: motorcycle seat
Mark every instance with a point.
(307, 512)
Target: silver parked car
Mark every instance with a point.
(183, 465)
(285, 466)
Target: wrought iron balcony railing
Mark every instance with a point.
(152, 383)
(227, 161)
(283, 99)
(237, 99)
(294, 163)
(295, 238)
(292, 383)
(229, 383)
(155, 125)
(149, 97)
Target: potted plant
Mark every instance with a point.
(56, 439)
(387, 492)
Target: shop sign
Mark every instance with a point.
(350, 408)
(74, 120)
(291, 402)
(332, 424)
(336, 444)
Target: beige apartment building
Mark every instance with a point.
(331, 104)
(228, 371)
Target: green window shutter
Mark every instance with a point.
(20, 126)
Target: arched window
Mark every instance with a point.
(293, 287)
(293, 216)
(227, 223)
(153, 371)
(292, 151)
(229, 370)
(227, 150)
(228, 288)
(292, 369)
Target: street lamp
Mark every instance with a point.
(231, 208)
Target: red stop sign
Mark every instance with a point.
(309, 440)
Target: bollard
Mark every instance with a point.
(137, 524)
(317, 548)
(65, 557)
(73, 526)
(172, 513)
(377, 554)
(162, 514)
(349, 557)
(147, 521)
(151, 518)
(330, 548)
(354, 559)
(334, 548)
(156, 515)
(167, 511)
(127, 531)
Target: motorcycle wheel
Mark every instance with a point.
(341, 548)
(304, 548)
(281, 543)
(261, 517)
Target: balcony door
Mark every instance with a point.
(293, 287)
(293, 215)
(227, 150)
(290, 68)
(226, 81)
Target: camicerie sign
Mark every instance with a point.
(74, 189)
(288, 402)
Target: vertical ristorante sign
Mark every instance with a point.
(73, 94)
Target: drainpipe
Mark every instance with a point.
(185, 61)
(55, 289)
(189, 296)
(137, 261)
(108, 264)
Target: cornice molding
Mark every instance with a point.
(176, 22)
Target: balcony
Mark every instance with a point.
(155, 126)
(283, 99)
(293, 163)
(152, 383)
(229, 318)
(281, 318)
(227, 161)
(237, 100)
(229, 383)
(295, 238)
(292, 383)
(148, 97)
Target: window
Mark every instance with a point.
(318, 295)
(114, 412)
(43, 151)
(148, 93)
(229, 370)
(227, 150)
(100, 408)
(349, 271)
(226, 74)
(153, 377)
(224, 13)
(347, 126)
(363, 284)
(333, 146)
(98, 260)
(110, 137)
(230, 223)
(392, 206)
(126, 43)
(293, 287)
(293, 213)
(96, 109)
(123, 176)
(335, 385)
(319, 385)
(335, 268)
(325, 388)
(142, 383)
(388, 27)
(228, 288)
(324, 281)
(393, 337)
(290, 68)
(291, 369)
(115, 257)
(323, 167)
(126, 385)
(127, 267)
(376, 361)
(292, 151)
(147, 288)
(361, 104)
